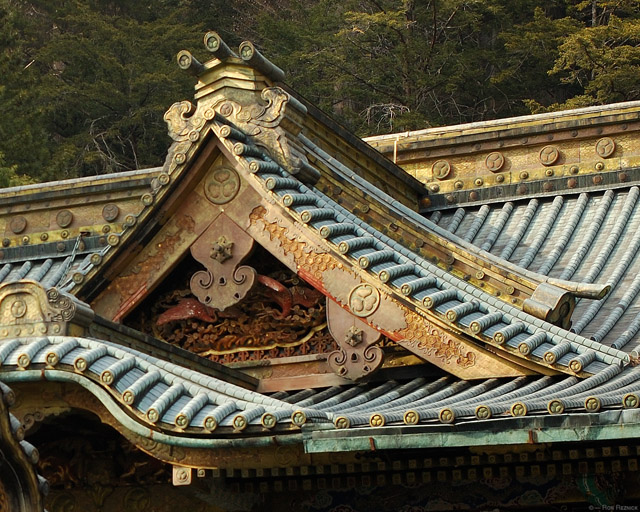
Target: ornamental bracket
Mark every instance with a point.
(221, 249)
(357, 355)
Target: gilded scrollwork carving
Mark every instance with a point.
(177, 119)
(27, 309)
(224, 282)
(184, 122)
(357, 355)
(268, 125)
(424, 339)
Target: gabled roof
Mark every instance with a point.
(435, 292)
(250, 163)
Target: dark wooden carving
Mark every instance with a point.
(221, 249)
(357, 355)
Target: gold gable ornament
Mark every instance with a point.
(27, 309)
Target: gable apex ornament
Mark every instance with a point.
(237, 97)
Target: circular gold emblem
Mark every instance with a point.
(494, 161)
(18, 308)
(605, 147)
(18, 224)
(222, 186)
(64, 218)
(441, 169)
(364, 299)
(549, 155)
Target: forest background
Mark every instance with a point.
(84, 83)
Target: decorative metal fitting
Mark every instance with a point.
(221, 250)
(494, 161)
(605, 147)
(411, 417)
(441, 169)
(110, 212)
(519, 409)
(181, 476)
(64, 218)
(354, 336)
(555, 406)
(239, 422)
(298, 418)
(342, 422)
(446, 415)
(549, 155)
(364, 300)
(630, 401)
(377, 420)
(18, 224)
(592, 404)
(210, 423)
(268, 420)
(483, 412)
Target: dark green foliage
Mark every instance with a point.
(84, 83)
(88, 84)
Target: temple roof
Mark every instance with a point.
(530, 305)
(173, 399)
(590, 237)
